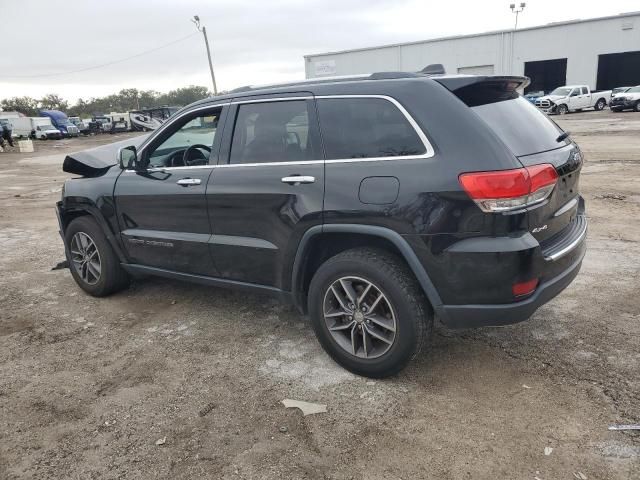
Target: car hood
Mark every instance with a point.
(96, 161)
(553, 98)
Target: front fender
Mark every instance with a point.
(73, 207)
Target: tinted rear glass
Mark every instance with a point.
(520, 125)
(366, 128)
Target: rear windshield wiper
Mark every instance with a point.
(563, 136)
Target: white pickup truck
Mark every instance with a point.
(573, 98)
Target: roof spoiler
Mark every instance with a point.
(507, 82)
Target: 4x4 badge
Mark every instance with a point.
(539, 229)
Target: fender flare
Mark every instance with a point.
(395, 238)
(96, 214)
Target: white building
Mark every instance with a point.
(601, 52)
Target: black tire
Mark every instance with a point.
(562, 109)
(112, 277)
(600, 104)
(636, 107)
(389, 275)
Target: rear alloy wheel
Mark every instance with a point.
(368, 312)
(94, 265)
(637, 106)
(563, 109)
(600, 104)
(359, 317)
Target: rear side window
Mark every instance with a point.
(519, 124)
(366, 128)
(272, 132)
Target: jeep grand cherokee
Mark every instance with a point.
(373, 204)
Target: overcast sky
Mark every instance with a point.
(254, 42)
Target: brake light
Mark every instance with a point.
(505, 190)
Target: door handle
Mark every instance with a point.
(296, 179)
(187, 182)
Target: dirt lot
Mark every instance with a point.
(87, 386)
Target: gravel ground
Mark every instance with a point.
(89, 386)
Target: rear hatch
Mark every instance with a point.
(534, 139)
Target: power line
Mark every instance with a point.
(104, 64)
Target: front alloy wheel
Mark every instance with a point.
(86, 258)
(359, 317)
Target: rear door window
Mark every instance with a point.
(366, 128)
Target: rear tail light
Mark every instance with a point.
(505, 190)
(524, 288)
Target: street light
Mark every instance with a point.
(203, 29)
(517, 11)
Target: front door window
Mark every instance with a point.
(190, 145)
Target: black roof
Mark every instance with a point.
(322, 85)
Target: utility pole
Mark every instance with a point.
(517, 11)
(203, 29)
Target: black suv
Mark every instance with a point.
(374, 204)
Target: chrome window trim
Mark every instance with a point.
(429, 150)
(267, 100)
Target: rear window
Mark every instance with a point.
(366, 128)
(518, 123)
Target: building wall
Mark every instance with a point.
(580, 42)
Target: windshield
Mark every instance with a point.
(563, 91)
(46, 126)
(634, 89)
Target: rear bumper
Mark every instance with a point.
(472, 316)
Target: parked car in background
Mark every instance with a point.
(618, 90)
(100, 124)
(573, 98)
(533, 96)
(35, 127)
(629, 100)
(61, 122)
(119, 122)
(83, 128)
(374, 204)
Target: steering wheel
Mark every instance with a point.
(187, 154)
(176, 159)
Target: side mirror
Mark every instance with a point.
(128, 158)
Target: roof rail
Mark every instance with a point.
(392, 75)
